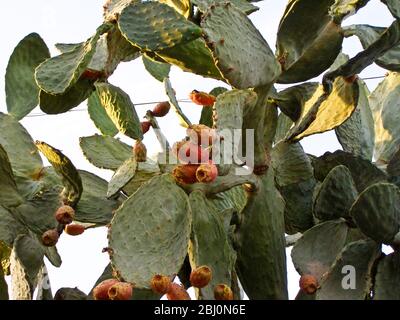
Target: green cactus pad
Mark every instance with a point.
(100, 58)
(336, 195)
(63, 166)
(295, 181)
(383, 102)
(56, 75)
(394, 7)
(270, 125)
(206, 117)
(125, 173)
(387, 279)
(105, 152)
(53, 256)
(184, 7)
(10, 227)
(193, 57)
(361, 256)
(226, 30)
(368, 35)
(308, 40)
(22, 92)
(18, 144)
(150, 232)
(73, 97)
(65, 47)
(113, 8)
(363, 172)
(377, 212)
(120, 109)
(324, 112)
(138, 294)
(94, 207)
(100, 117)
(9, 195)
(242, 5)
(26, 263)
(261, 260)
(183, 120)
(144, 172)
(140, 25)
(317, 249)
(357, 134)
(210, 244)
(157, 69)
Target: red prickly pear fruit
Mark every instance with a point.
(201, 134)
(161, 109)
(185, 174)
(207, 172)
(145, 126)
(92, 74)
(223, 292)
(177, 292)
(200, 277)
(160, 283)
(100, 292)
(65, 214)
(190, 153)
(74, 229)
(120, 291)
(308, 283)
(202, 98)
(140, 151)
(50, 238)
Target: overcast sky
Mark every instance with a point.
(75, 21)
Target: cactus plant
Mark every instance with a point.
(165, 219)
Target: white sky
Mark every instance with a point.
(75, 21)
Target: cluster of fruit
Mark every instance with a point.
(65, 216)
(200, 277)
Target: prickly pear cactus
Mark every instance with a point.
(229, 211)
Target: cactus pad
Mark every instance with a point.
(105, 152)
(377, 212)
(324, 112)
(183, 120)
(122, 176)
(308, 40)
(317, 249)
(149, 233)
(394, 7)
(9, 196)
(144, 172)
(22, 92)
(336, 195)
(387, 279)
(99, 116)
(140, 24)
(361, 255)
(120, 109)
(158, 70)
(242, 5)
(56, 75)
(242, 54)
(210, 244)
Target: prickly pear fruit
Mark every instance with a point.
(223, 292)
(200, 277)
(65, 214)
(74, 229)
(140, 151)
(100, 292)
(308, 283)
(93, 74)
(50, 238)
(145, 126)
(120, 291)
(161, 109)
(201, 134)
(202, 98)
(177, 292)
(190, 153)
(160, 283)
(207, 172)
(186, 173)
